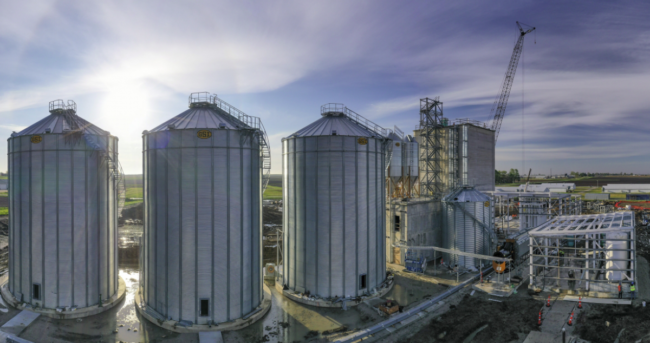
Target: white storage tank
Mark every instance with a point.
(411, 157)
(467, 225)
(333, 194)
(63, 177)
(615, 253)
(202, 220)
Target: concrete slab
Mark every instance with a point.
(17, 324)
(210, 337)
(599, 300)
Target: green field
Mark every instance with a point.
(133, 195)
(4, 211)
(273, 193)
(4, 194)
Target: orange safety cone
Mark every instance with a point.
(548, 302)
(539, 320)
(580, 302)
(571, 319)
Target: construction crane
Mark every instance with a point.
(501, 101)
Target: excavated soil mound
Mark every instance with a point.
(592, 325)
(506, 321)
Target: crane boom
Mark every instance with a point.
(501, 101)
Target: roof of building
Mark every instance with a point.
(586, 224)
(334, 123)
(466, 194)
(61, 121)
(627, 186)
(202, 117)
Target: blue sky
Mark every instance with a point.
(130, 65)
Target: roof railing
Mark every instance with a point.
(354, 116)
(199, 98)
(60, 105)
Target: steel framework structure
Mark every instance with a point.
(575, 252)
(430, 152)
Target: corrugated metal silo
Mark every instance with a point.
(334, 203)
(63, 175)
(203, 201)
(467, 225)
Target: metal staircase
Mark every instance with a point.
(256, 124)
(78, 131)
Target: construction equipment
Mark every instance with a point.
(501, 101)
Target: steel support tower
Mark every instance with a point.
(430, 152)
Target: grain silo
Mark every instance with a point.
(467, 225)
(64, 178)
(334, 203)
(203, 181)
(394, 172)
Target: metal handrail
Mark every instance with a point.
(254, 123)
(355, 117)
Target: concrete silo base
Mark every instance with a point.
(67, 314)
(384, 288)
(236, 324)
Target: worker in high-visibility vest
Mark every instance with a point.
(620, 290)
(632, 290)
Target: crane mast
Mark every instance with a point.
(501, 101)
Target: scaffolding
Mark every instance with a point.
(430, 151)
(584, 253)
(531, 208)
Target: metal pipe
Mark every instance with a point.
(400, 317)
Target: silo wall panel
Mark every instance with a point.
(25, 235)
(173, 297)
(92, 208)
(323, 197)
(159, 198)
(372, 212)
(188, 228)
(300, 235)
(64, 242)
(246, 232)
(291, 216)
(363, 227)
(204, 224)
(79, 228)
(350, 215)
(220, 240)
(311, 216)
(49, 287)
(37, 219)
(235, 228)
(336, 162)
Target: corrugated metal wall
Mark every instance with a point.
(463, 233)
(63, 223)
(334, 219)
(202, 227)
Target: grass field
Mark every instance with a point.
(133, 195)
(273, 192)
(4, 194)
(4, 211)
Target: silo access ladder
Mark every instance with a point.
(256, 124)
(114, 168)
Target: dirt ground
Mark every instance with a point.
(271, 216)
(592, 325)
(509, 320)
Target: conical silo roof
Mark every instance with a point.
(202, 117)
(331, 123)
(62, 119)
(466, 194)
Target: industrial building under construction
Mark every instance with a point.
(375, 228)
